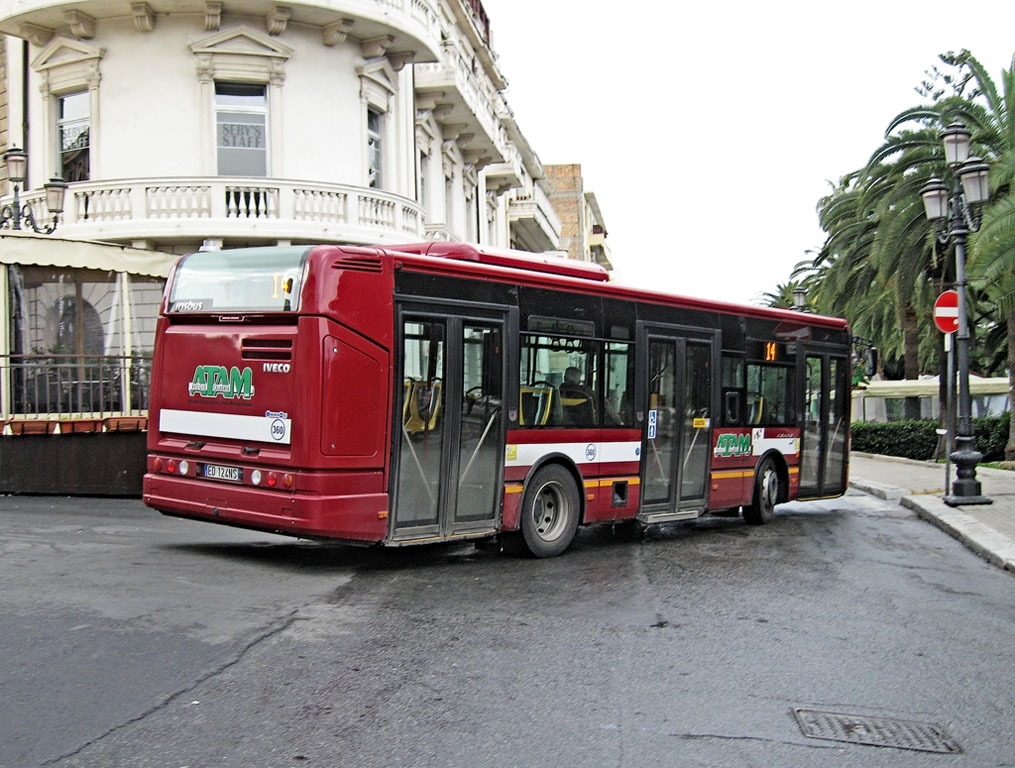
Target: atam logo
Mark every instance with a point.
(731, 444)
(218, 381)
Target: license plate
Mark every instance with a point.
(218, 472)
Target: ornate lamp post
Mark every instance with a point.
(800, 298)
(11, 216)
(955, 219)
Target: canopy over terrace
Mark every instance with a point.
(79, 322)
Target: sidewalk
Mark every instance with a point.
(987, 529)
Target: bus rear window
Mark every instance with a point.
(241, 280)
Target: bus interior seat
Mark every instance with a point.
(577, 406)
(424, 405)
(755, 408)
(536, 406)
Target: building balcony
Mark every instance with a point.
(465, 111)
(534, 224)
(407, 27)
(600, 250)
(197, 208)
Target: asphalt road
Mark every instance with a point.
(131, 639)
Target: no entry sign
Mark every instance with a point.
(946, 312)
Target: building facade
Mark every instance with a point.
(583, 228)
(205, 124)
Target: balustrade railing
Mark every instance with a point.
(131, 207)
(47, 386)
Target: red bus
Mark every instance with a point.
(445, 391)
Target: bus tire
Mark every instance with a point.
(550, 510)
(766, 494)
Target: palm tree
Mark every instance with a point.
(992, 251)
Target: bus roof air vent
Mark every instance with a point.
(500, 257)
(359, 263)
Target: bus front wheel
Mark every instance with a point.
(766, 494)
(550, 509)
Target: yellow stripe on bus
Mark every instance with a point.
(748, 473)
(588, 484)
(610, 481)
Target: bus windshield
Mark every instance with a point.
(241, 280)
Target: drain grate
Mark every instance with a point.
(875, 731)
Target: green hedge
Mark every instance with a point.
(918, 439)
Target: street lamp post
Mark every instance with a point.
(955, 220)
(12, 215)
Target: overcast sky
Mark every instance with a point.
(708, 130)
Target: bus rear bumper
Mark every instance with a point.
(359, 517)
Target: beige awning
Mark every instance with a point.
(54, 251)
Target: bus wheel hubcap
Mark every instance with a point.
(550, 511)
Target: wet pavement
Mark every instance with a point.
(132, 639)
(987, 529)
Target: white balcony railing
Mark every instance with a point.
(201, 207)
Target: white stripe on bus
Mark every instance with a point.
(527, 454)
(262, 429)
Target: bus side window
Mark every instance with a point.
(733, 407)
(734, 390)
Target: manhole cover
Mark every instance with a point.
(875, 731)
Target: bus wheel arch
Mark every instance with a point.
(553, 506)
(770, 487)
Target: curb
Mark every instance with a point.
(981, 539)
(886, 492)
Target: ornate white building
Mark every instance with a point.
(245, 122)
(182, 124)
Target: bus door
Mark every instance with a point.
(447, 426)
(677, 437)
(824, 440)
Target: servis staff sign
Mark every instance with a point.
(946, 312)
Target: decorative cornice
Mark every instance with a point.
(425, 102)
(336, 32)
(144, 19)
(451, 131)
(477, 158)
(275, 22)
(212, 15)
(442, 111)
(376, 46)
(35, 34)
(400, 59)
(82, 26)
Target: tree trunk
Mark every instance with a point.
(1009, 448)
(911, 358)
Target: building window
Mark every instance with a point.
(241, 128)
(375, 148)
(72, 129)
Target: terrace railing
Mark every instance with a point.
(57, 387)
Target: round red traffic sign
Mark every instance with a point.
(946, 312)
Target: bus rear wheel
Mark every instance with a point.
(550, 509)
(766, 494)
